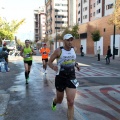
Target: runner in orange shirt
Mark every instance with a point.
(44, 51)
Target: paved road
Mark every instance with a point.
(98, 96)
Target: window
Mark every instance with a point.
(64, 4)
(85, 8)
(94, 14)
(78, 4)
(91, 6)
(78, 19)
(57, 4)
(79, 12)
(90, 14)
(36, 30)
(109, 6)
(57, 27)
(85, 17)
(104, 29)
(94, 4)
(98, 1)
(56, 10)
(85, 1)
(98, 11)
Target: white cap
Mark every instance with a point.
(67, 36)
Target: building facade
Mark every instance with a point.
(59, 15)
(94, 15)
(39, 24)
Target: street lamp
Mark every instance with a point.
(55, 14)
(114, 39)
(114, 42)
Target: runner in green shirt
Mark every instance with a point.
(26, 53)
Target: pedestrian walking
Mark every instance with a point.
(108, 55)
(65, 80)
(27, 52)
(44, 51)
(98, 53)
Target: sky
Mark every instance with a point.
(19, 9)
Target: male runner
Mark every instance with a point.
(65, 79)
(26, 53)
(45, 53)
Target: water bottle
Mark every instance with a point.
(3, 67)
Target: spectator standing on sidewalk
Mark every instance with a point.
(98, 52)
(27, 52)
(81, 50)
(44, 51)
(108, 55)
(65, 80)
(5, 49)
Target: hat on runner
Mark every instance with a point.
(67, 36)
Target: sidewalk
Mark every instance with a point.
(102, 57)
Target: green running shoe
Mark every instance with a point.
(27, 80)
(53, 106)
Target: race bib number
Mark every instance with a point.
(44, 52)
(28, 55)
(75, 82)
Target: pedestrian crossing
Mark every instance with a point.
(90, 71)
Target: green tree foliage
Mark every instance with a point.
(7, 30)
(73, 30)
(95, 35)
(67, 30)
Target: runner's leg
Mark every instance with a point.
(43, 61)
(70, 93)
(57, 99)
(26, 71)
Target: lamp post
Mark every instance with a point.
(114, 39)
(114, 42)
(55, 13)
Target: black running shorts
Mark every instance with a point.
(62, 82)
(28, 62)
(46, 60)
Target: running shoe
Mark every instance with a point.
(53, 106)
(27, 80)
(45, 72)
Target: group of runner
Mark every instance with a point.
(65, 79)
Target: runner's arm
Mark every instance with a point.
(33, 52)
(21, 52)
(76, 64)
(54, 56)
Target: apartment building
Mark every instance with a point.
(59, 15)
(92, 15)
(39, 24)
